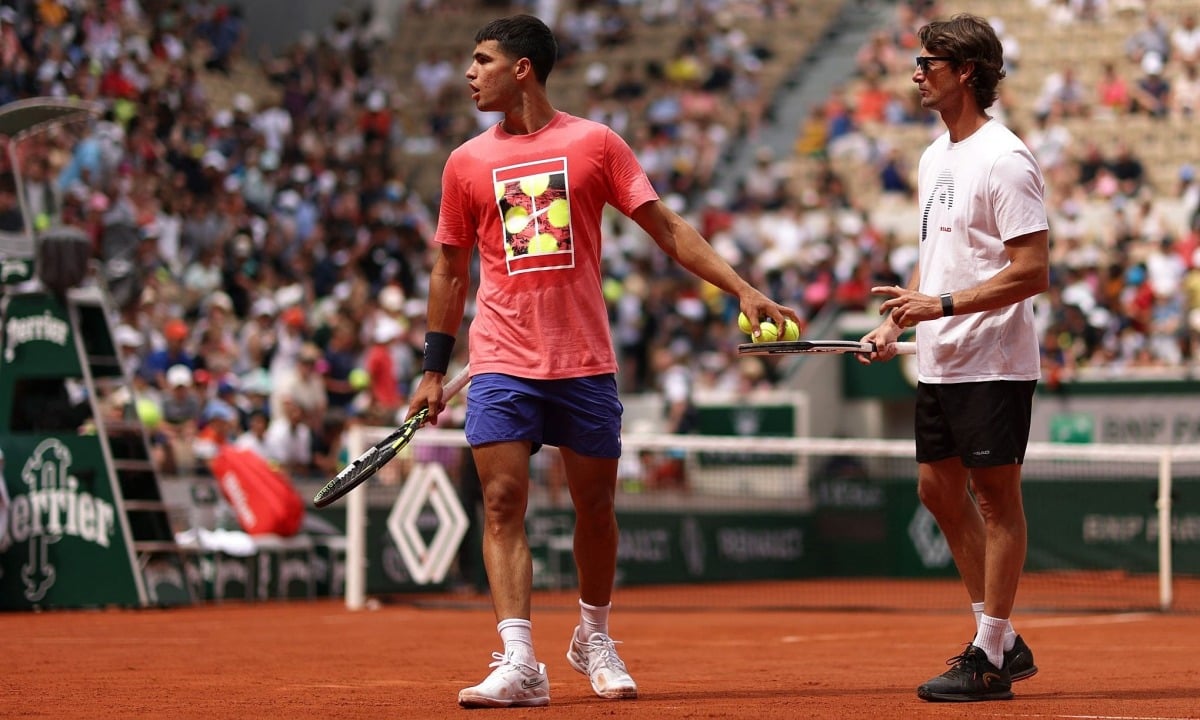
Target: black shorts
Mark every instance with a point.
(985, 424)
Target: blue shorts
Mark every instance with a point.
(582, 414)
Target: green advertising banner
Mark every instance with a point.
(747, 419)
(386, 571)
(37, 338)
(869, 526)
(63, 545)
(682, 547)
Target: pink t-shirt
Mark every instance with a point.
(532, 204)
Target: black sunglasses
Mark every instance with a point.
(924, 60)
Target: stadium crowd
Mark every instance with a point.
(278, 259)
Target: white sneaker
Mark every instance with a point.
(597, 658)
(511, 684)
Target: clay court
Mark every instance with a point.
(302, 659)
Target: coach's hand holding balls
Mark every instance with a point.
(769, 332)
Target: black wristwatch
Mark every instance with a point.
(947, 305)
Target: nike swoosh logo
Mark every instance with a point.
(530, 684)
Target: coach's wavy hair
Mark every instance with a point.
(523, 36)
(969, 39)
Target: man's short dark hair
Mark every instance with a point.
(969, 39)
(523, 36)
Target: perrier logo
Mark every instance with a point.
(46, 327)
(53, 507)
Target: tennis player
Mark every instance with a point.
(529, 194)
(984, 253)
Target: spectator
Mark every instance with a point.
(342, 357)
(303, 386)
(1185, 92)
(1185, 41)
(1066, 92)
(255, 434)
(219, 428)
(288, 439)
(1151, 94)
(1112, 92)
(180, 403)
(1152, 38)
(1129, 171)
(175, 334)
(386, 398)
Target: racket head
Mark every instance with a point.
(366, 465)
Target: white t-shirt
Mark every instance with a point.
(975, 195)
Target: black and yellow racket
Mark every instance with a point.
(364, 466)
(798, 347)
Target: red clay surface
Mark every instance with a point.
(302, 659)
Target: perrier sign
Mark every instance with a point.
(64, 546)
(65, 540)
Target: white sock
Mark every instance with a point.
(1010, 636)
(593, 619)
(977, 609)
(517, 635)
(990, 638)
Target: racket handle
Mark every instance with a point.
(906, 348)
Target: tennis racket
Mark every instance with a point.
(793, 347)
(379, 454)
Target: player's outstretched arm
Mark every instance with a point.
(689, 248)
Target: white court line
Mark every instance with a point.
(833, 636)
(1086, 620)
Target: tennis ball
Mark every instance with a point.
(536, 185)
(770, 333)
(149, 413)
(559, 213)
(500, 189)
(744, 324)
(613, 289)
(543, 243)
(516, 219)
(791, 331)
(359, 378)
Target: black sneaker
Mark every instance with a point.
(1019, 661)
(971, 678)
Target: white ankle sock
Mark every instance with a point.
(990, 638)
(517, 635)
(977, 610)
(1010, 636)
(593, 619)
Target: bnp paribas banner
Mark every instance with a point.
(874, 526)
(1159, 413)
(62, 544)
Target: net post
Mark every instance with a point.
(1165, 571)
(356, 532)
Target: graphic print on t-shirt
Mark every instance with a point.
(943, 193)
(535, 211)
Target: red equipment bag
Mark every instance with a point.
(261, 496)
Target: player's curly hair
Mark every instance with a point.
(969, 39)
(523, 36)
